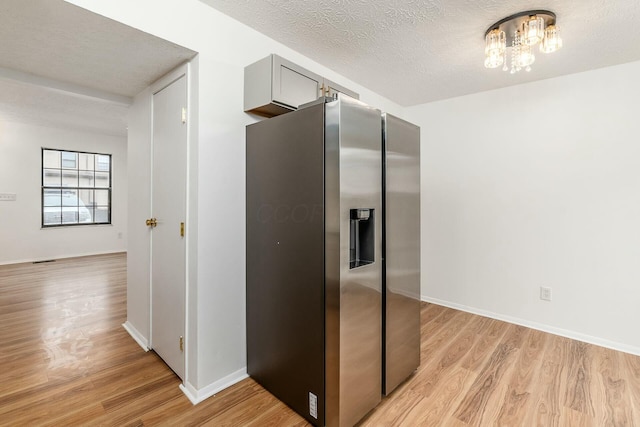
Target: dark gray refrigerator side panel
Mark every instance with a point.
(353, 291)
(402, 250)
(285, 258)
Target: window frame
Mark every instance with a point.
(77, 188)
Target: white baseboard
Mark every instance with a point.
(198, 395)
(56, 257)
(136, 335)
(539, 326)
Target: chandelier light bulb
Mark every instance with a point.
(496, 40)
(494, 61)
(495, 46)
(532, 30)
(525, 57)
(552, 40)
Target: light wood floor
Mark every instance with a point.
(66, 360)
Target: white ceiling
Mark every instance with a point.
(417, 51)
(71, 63)
(33, 104)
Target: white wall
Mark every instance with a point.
(225, 47)
(139, 204)
(537, 185)
(21, 236)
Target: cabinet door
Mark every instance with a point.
(293, 85)
(331, 89)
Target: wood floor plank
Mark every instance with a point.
(67, 361)
(74, 416)
(274, 416)
(430, 312)
(446, 360)
(545, 408)
(488, 339)
(435, 340)
(432, 328)
(613, 402)
(158, 415)
(519, 387)
(437, 408)
(23, 383)
(54, 402)
(570, 417)
(630, 369)
(473, 407)
(578, 393)
(393, 409)
(216, 406)
(245, 411)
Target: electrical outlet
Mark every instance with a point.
(545, 293)
(7, 197)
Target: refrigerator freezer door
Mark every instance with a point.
(353, 313)
(402, 250)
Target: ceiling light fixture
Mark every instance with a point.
(522, 32)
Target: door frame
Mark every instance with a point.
(160, 84)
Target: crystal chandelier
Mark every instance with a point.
(521, 32)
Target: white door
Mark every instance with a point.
(169, 180)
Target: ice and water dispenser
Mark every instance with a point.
(361, 237)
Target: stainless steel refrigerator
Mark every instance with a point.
(314, 261)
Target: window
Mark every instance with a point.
(76, 188)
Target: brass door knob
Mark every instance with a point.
(151, 222)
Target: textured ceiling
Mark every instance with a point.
(67, 43)
(417, 51)
(64, 43)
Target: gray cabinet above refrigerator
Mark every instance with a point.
(274, 85)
